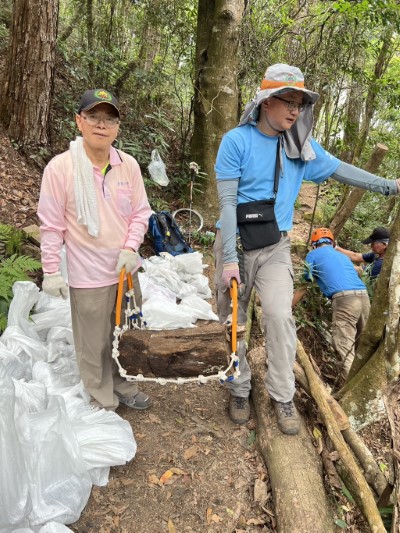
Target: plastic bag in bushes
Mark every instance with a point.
(156, 169)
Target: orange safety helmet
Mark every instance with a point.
(321, 233)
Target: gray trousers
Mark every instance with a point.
(350, 310)
(93, 323)
(270, 271)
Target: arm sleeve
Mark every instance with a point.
(227, 195)
(357, 177)
(229, 157)
(51, 209)
(141, 211)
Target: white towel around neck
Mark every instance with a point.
(84, 185)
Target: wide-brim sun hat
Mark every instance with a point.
(281, 78)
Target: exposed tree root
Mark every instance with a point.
(355, 481)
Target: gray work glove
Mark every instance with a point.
(231, 270)
(128, 259)
(54, 284)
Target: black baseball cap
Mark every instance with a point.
(378, 234)
(94, 97)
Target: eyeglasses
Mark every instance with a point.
(94, 120)
(292, 106)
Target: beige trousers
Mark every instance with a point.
(350, 310)
(93, 323)
(269, 270)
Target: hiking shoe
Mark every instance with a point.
(239, 409)
(287, 417)
(139, 401)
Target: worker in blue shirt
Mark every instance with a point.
(338, 281)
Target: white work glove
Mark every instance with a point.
(54, 284)
(231, 270)
(129, 260)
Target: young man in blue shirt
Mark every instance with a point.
(265, 161)
(338, 281)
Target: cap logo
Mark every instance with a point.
(103, 95)
(290, 79)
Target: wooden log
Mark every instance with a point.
(294, 467)
(184, 352)
(301, 378)
(356, 483)
(372, 472)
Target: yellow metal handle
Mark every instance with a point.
(120, 293)
(234, 298)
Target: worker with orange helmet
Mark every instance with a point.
(338, 281)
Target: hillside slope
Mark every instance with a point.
(19, 186)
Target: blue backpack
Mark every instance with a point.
(166, 234)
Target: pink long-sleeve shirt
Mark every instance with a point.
(123, 210)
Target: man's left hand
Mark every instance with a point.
(128, 259)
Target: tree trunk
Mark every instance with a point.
(28, 80)
(90, 35)
(216, 91)
(377, 358)
(355, 194)
(386, 51)
(354, 109)
(393, 407)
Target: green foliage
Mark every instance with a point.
(387, 516)
(12, 238)
(204, 238)
(341, 523)
(5, 22)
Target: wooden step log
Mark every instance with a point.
(185, 352)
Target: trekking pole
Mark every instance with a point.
(194, 169)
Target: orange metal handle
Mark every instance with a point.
(234, 297)
(120, 293)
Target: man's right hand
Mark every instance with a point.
(55, 285)
(231, 270)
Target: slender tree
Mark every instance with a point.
(216, 91)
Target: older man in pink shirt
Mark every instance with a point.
(93, 199)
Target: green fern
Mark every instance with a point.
(12, 238)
